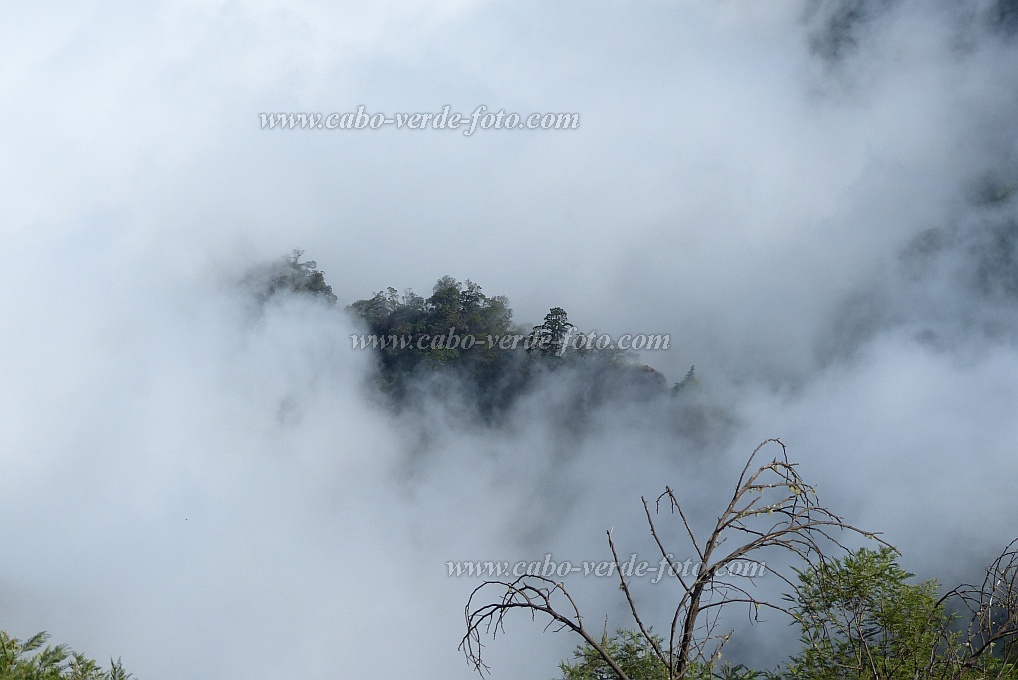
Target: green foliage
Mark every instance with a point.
(420, 344)
(550, 338)
(688, 384)
(636, 657)
(631, 651)
(30, 660)
(289, 274)
(415, 336)
(861, 619)
(418, 335)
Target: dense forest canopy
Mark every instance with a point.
(460, 334)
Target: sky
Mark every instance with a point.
(814, 199)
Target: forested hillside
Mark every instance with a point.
(460, 342)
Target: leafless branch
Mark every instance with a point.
(771, 507)
(992, 609)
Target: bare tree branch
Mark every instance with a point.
(771, 507)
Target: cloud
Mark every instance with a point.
(824, 228)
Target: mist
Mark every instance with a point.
(815, 200)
